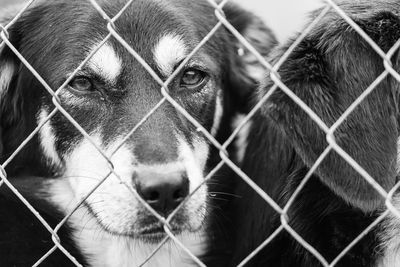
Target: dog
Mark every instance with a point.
(163, 161)
(329, 69)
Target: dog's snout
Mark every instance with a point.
(163, 191)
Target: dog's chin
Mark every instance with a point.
(150, 230)
(133, 222)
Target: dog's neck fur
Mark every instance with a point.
(389, 236)
(102, 249)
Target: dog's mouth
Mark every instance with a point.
(148, 228)
(156, 233)
(153, 231)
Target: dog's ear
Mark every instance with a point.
(329, 70)
(246, 71)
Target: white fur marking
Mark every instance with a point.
(217, 114)
(6, 74)
(390, 238)
(389, 234)
(47, 139)
(241, 140)
(169, 51)
(194, 161)
(106, 62)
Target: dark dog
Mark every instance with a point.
(164, 160)
(328, 70)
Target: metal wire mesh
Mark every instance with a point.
(225, 159)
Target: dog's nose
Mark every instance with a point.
(163, 192)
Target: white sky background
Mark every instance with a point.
(283, 16)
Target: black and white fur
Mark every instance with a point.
(328, 70)
(108, 97)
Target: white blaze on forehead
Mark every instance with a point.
(6, 73)
(106, 63)
(169, 51)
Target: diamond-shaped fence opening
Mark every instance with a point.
(225, 158)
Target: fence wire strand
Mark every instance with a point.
(333, 147)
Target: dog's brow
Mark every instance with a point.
(106, 63)
(169, 51)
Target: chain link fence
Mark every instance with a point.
(330, 6)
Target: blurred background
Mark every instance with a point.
(284, 16)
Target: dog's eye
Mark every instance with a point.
(193, 78)
(81, 84)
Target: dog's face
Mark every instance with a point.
(165, 158)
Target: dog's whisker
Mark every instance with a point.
(224, 193)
